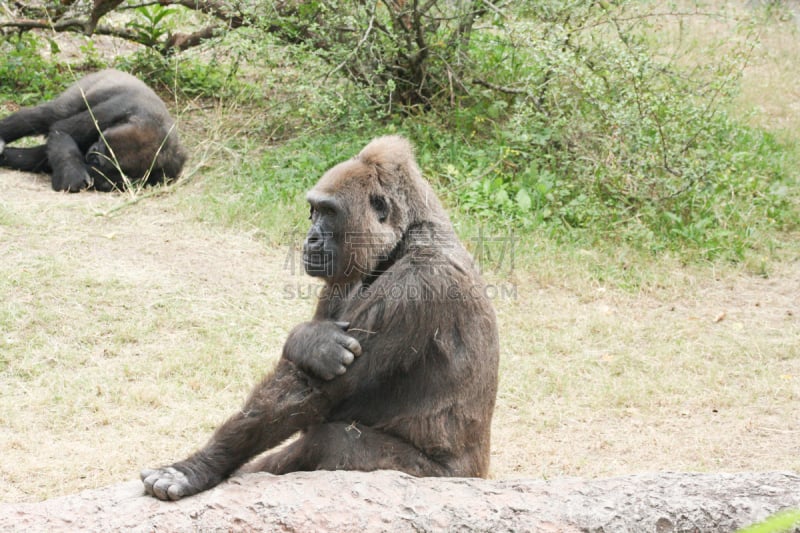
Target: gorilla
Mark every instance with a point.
(106, 130)
(397, 369)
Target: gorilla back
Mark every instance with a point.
(106, 130)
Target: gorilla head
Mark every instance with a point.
(361, 210)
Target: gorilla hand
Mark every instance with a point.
(168, 483)
(71, 176)
(321, 348)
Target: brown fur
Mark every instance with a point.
(419, 398)
(105, 125)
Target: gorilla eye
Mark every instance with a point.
(380, 206)
(311, 213)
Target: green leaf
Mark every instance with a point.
(501, 197)
(523, 200)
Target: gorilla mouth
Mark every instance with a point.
(318, 263)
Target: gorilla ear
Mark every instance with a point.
(380, 207)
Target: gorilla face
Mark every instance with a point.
(351, 232)
(102, 168)
(321, 252)
(125, 153)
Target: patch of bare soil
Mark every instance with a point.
(110, 323)
(701, 375)
(128, 333)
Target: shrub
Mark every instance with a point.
(25, 76)
(590, 124)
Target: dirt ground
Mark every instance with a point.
(127, 332)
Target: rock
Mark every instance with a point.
(390, 501)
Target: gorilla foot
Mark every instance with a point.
(168, 483)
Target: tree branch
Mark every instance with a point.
(217, 10)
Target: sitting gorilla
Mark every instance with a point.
(105, 126)
(398, 367)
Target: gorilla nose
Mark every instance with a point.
(314, 241)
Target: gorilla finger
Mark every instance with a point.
(149, 478)
(341, 370)
(350, 344)
(165, 483)
(160, 488)
(347, 357)
(343, 325)
(175, 492)
(169, 489)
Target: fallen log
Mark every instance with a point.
(391, 501)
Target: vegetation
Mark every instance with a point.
(779, 523)
(26, 76)
(589, 122)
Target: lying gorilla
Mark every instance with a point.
(398, 367)
(106, 125)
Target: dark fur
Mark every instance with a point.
(397, 369)
(134, 122)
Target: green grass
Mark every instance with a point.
(26, 77)
(778, 523)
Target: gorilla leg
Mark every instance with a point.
(32, 159)
(281, 405)
(341, 446)
(26, 122)
(39, 120)
(69, 131)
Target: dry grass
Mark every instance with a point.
(700, 372)
(769, 93)
(771, 85)
(125, 339)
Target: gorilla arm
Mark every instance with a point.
(289, 400)
(283, 403)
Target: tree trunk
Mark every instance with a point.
(390, 501)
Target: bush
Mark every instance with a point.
(590, 126)
(573, 118)
(593, 121)
(405, 56)
(25, 76)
